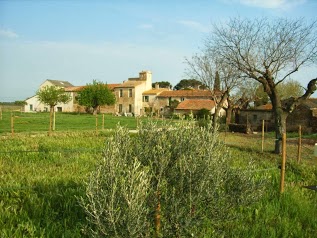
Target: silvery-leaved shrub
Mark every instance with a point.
(165, 181)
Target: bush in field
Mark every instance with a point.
(173, 181)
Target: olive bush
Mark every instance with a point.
(169, 181)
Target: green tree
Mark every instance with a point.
(162, 84)
(290, 89)
(189, 84)
(268, 52)
(286, 89)
(51, 96)
(95, 95)
(20, 103)
(261, 97)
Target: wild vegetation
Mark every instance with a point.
(43, 178)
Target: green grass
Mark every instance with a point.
(41, 178)
(39, 122)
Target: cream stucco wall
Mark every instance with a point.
(138, 86)
(34, 105)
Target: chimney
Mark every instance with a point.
(147, 77)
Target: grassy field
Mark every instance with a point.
(64, 122)
(42, 177)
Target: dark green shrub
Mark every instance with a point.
(203, 114)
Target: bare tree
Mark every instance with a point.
(269, 52)
(241, 97)
(211, 71)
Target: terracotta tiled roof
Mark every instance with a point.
(129, 84)
(155, 91)
(78, 88)
(74, 88)
(196, 104)
(265, 107)
(111, 86)
(186, 93)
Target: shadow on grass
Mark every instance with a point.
(46, 209)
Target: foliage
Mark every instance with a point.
(162, 84)
(52, 95)
(173, 104)
(261, 97)
(177, 175)
(203, 113)
(189, 84)
(285, 89)
(42, 177)
(95, 95)
(20, 103)
(290, 88)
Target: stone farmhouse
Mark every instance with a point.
(33, 104)
(304, 115)
(134, 97)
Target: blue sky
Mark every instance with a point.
(78, 41)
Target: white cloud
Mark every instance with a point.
(8, 33)
(194, 25)
(145, 26)
(272, 4)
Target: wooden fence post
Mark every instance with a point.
(96, 123)
(283, 163)
(299, 144)
(12, 124)
(103, 121)
(0, 113)
(54, 117)
(263, 135)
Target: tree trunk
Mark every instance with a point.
(229, 115)
(95, 110)
(280, 123)
(218, 107)
(215, 118)
(51, 120)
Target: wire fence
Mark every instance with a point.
(12, 123)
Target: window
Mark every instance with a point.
(59, 109)
(31, 107)
(182, 99)
(120, 108)
(130, 107)
(130, 92)
(121, 93)
(145, 98)
(45, 109)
